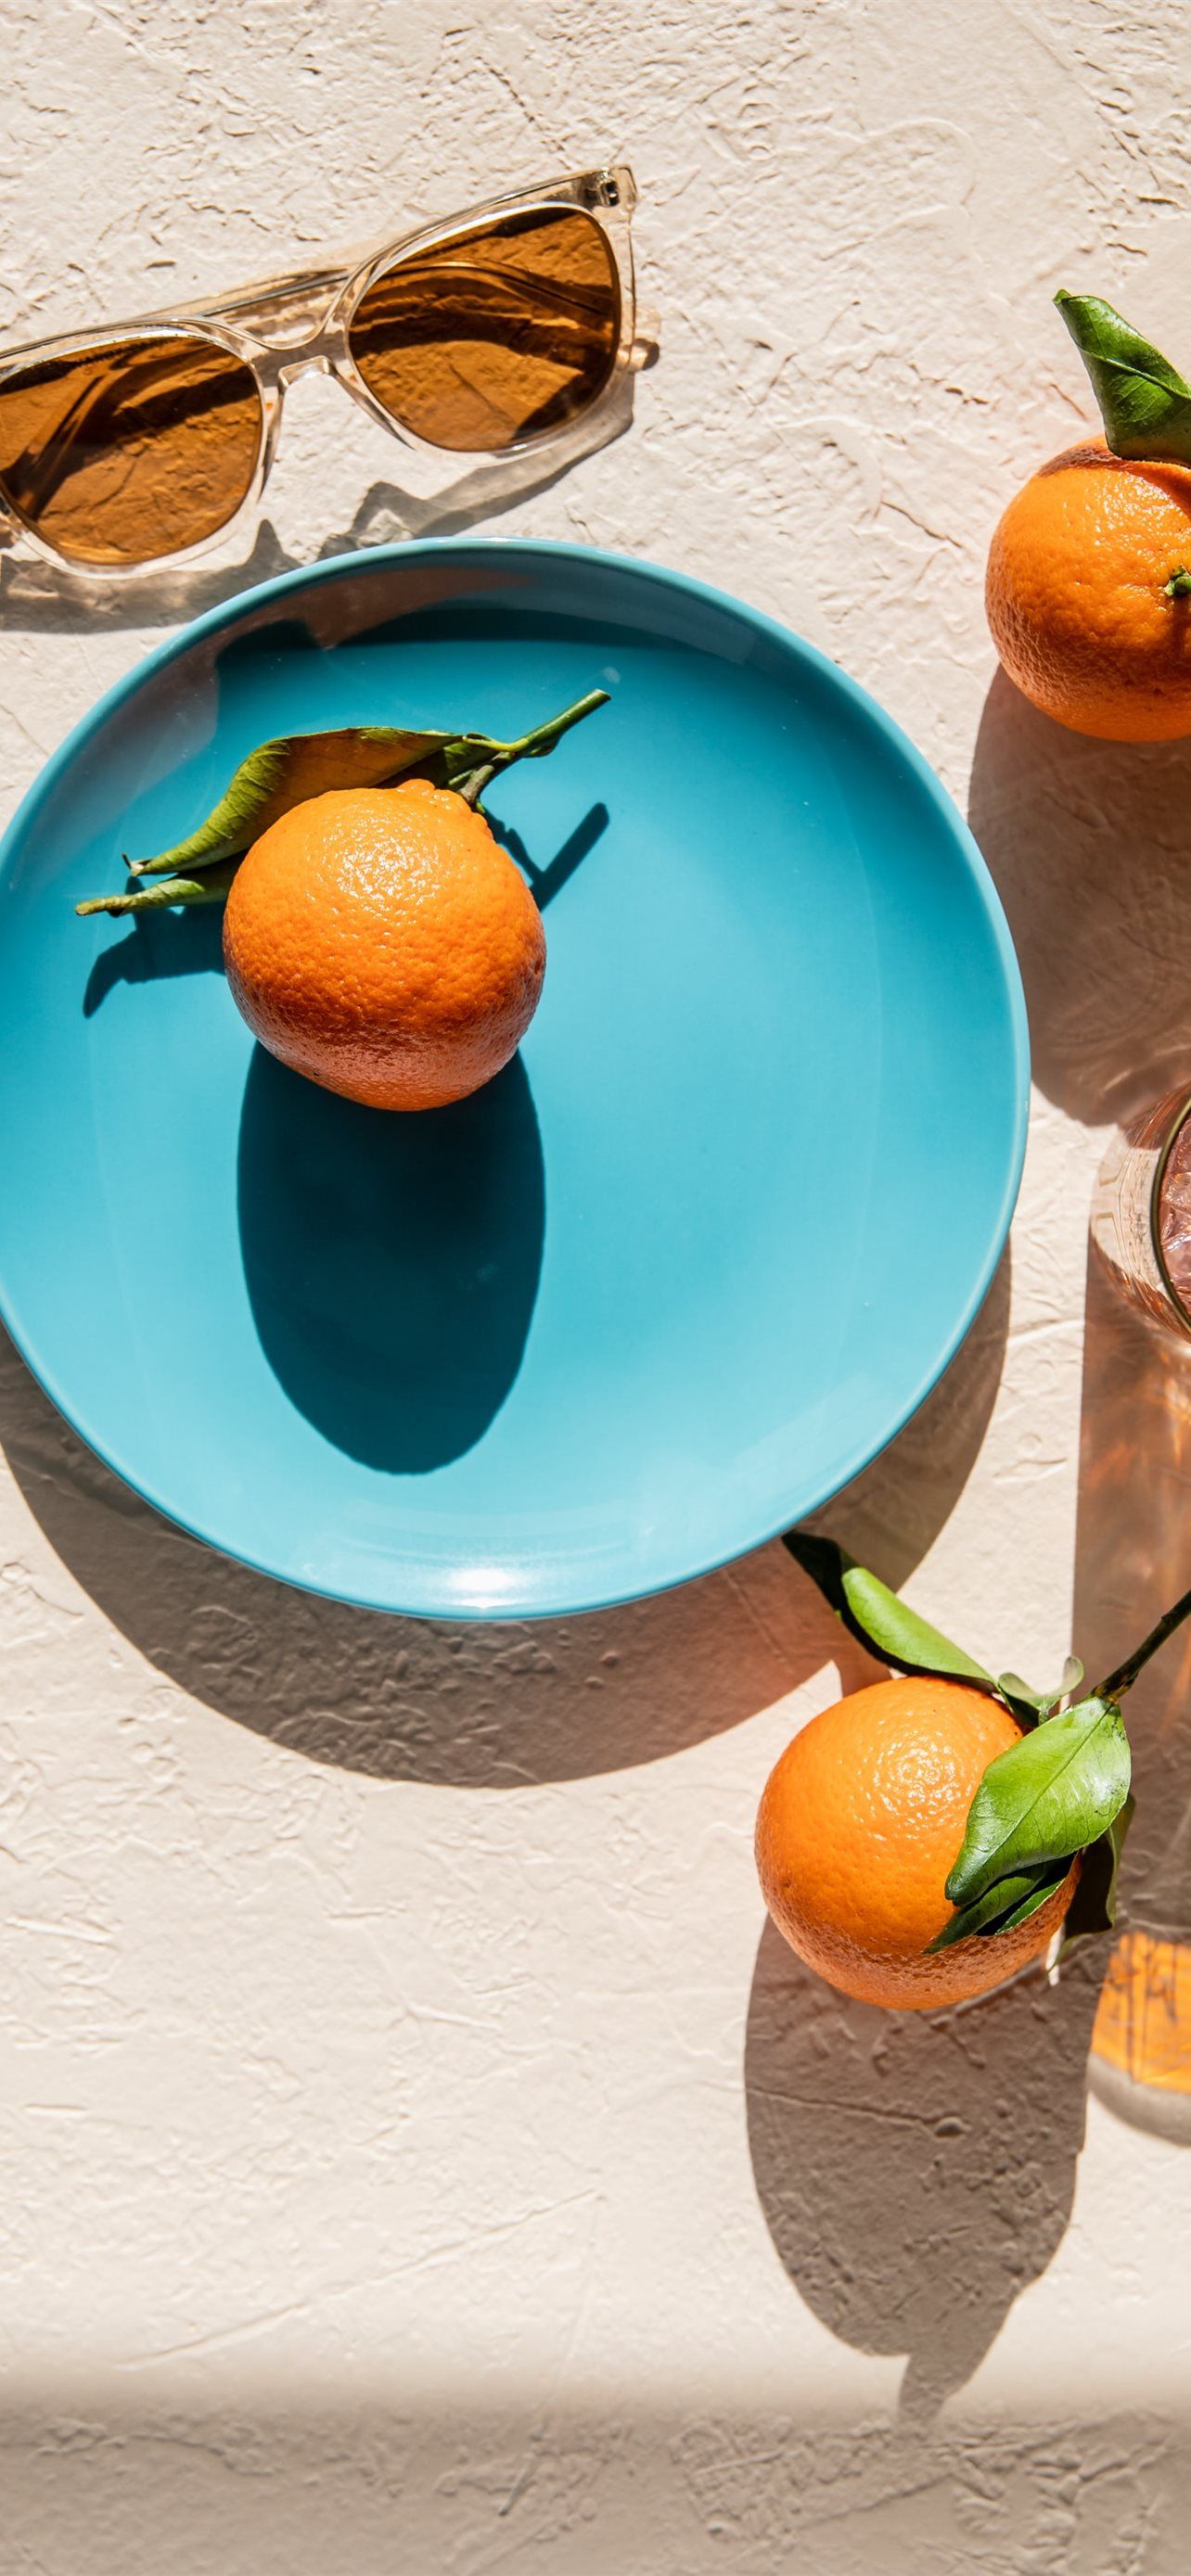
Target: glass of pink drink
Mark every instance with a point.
(1141, 1212)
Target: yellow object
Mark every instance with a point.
(1143, 2022)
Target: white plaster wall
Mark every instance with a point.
(405, 2162)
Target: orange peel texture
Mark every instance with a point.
(380, 941)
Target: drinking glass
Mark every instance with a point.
(1141, 1211)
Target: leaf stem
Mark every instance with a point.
(1179, 584)
(1125, 1675)
(472, 787)
(495, 756)
(543, 737)
(211, 887)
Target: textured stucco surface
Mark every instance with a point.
(413, 2154)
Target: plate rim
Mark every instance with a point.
(395, 555)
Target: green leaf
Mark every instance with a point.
(1049, 1795)
(876, 1618)
(286, 772)
(1008, 1901)
(1043, 1888)
(1027, 1704)
(1093, 1908)
(211, 887)
(901, 1635)
(986, 1912)
(1144, 403)
(1031, 1705)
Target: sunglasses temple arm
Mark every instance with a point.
(647, 339)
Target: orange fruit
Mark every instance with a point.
(381, 942)
(859, 1825)
(1077, 600)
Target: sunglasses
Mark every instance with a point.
(485, 335)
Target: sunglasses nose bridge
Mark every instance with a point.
(314, 361)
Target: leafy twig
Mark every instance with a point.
(1061, 1790)
(293, 768)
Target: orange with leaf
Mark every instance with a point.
(1089, 572)
(924, 1839)
(857, 1832)
(376, 936)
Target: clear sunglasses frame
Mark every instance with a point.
(299, 322)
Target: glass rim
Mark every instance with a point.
(1170, 1140)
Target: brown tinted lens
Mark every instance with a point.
(132, 449)
(492, 336)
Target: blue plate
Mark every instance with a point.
(665, 1285)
